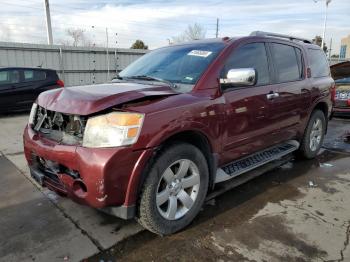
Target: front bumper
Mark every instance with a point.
(103, 178)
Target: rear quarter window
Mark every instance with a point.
(287, 61)
(318, 63)
(34, 75)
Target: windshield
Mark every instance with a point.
(182, 65)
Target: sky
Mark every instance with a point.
(156, 22)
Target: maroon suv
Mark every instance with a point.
(178, 122)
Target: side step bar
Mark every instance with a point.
(253, 161)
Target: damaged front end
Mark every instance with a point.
(62, 128)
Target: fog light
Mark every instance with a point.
(79, 188)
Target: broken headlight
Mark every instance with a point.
(113, 129)
(32, 113)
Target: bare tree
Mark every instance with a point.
(79, 38)
(193, 32)
(6, 33)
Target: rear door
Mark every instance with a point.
(9, 83)
(293, 91)
(248, 111)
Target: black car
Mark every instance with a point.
(19, 86)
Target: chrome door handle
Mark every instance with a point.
(272, 95)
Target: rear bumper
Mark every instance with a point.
(341, 111)
(104, 178)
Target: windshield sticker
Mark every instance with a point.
(201, 53)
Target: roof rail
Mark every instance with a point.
(262, 33)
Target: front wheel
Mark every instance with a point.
(174, 190)
(313, 136)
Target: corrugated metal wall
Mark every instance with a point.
(75, 65)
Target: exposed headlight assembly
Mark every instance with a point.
(113, 129)
(32, 113)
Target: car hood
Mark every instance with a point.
(85, 100)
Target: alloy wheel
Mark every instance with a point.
(316, 134)
(178, 189)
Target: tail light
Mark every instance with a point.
(60, 83)
(333, 92)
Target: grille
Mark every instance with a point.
(62, 128)
(341, 103)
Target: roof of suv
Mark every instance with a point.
(255, 34)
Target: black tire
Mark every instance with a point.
(305, 150)
(148, 214)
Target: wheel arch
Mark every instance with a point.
(193, 137)
(322, 106)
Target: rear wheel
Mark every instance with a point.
(313, 136)
(174, 190)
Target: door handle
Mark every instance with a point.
(272, 95)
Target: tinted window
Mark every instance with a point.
(9, 77)
(251, 56)
(286, 63)
(318, 63)
(34, 75)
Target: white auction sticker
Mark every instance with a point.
(201, 53)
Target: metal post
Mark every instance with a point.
(107, 54)
(217, 28)
(62, 65)
(330, 50)
(48, 22)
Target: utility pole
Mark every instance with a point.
(48, 22)
(107, 53)
(325, 24)
(217, 28)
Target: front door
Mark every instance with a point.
(249, 127)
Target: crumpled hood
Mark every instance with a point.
(85, 100)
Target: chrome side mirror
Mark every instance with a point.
(240, 77)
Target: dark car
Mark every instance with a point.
(341, 72)
(20, 86)
(179, 123)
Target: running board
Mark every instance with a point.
(253, 161)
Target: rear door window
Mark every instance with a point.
(287, 63)
(34, 75)
(251, 56)
(9, 77)
(318, 63)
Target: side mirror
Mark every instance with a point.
(240, 77)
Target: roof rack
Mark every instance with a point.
(262, 33)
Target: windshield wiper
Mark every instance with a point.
(151, 78)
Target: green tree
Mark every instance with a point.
(139, 44)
